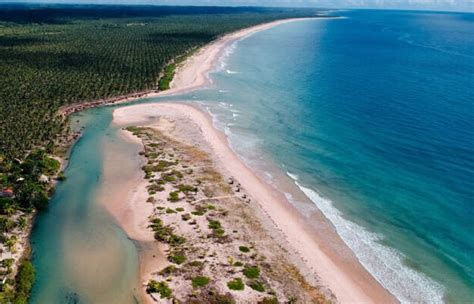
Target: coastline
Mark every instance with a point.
(190, 74)
(341, 273)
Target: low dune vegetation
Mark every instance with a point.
(217, 251)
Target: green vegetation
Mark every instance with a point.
(24, 282)
(159, 287)
(217, 230)
(164, 83)
(187, 188)
(258, 286)
(200, 281)
(55, 55)
(268, 300)
(165, 233)
(252, 272)
(169, 210)
(174, 196)
(168, 270)
(199, 210)
(26, 180)
(236, 284)
(213, 224)
(244, 249)
(177, 258)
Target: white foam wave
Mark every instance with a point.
(384, 263)
(231, 72)
(293, 176)
(223, 91)
(229, 50)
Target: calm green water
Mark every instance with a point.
(80, 255)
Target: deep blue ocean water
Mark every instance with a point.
(373, 118)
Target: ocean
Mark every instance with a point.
(370, 117)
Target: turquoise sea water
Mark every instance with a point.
(372, 116)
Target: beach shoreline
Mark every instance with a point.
(190, 74)
(341, 273)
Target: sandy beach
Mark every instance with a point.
(344, 276)
(318, 254)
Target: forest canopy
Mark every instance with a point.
(52, 55)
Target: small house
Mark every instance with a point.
(7, 192)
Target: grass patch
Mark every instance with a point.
(258, 286)
(252, 272)
(169, 178)
(214, 224)
(178, 258)
(165, 233)
(165, 81)
(187, 188)
(236, 284)
(200, 281)
(199, 210)
(168, 270)
(159, 287)
(169, 211)
(173, 196)
(218, 232)
(244, 249)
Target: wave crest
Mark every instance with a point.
(384, 263)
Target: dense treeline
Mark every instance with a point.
(56, 55)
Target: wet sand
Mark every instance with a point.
(123, 193)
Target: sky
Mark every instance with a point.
(456, 5)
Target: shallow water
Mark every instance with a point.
(80, 254)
